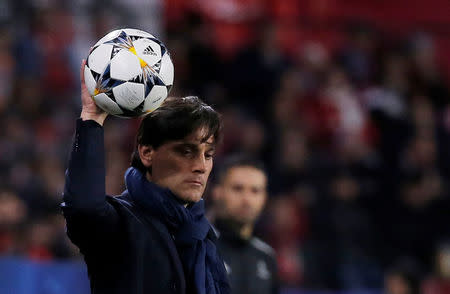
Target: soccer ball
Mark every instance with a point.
(128, 73)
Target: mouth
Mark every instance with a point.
(194, 182)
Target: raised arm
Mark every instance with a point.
(88, 214)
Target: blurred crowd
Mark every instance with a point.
(354, 136)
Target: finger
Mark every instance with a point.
(83, 63)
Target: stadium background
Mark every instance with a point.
(345, 101)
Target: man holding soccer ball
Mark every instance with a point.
(154, 238)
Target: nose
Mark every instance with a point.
(199, 164)
(246, 197)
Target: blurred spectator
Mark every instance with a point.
(233, 22)
(7, 63)
(253, 138)
(39, 240)
(439, 283)
(199, 68)
(413, 221)
(427, 78)
(291, 162)
(13, 214)
(358, 54)
(402, 278)
(253, 75)
(285, 228)
(342, 226)
(387, 103)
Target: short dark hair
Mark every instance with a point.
(175, 119)
(237, 160)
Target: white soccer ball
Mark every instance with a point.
(129, 73)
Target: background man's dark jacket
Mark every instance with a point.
(123, 253)
(250, 264)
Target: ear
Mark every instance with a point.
(146, 154)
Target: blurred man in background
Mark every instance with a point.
(239, 197)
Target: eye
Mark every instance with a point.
(256, 190)
(237, 188)
(184, 150)
(209, 155)
(187, 151)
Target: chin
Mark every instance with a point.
(190, 197)
(246, 219)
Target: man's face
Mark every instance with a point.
(183, 166)
(242, 194)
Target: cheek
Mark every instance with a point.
(234, 202)
(209, 166)
(166, 169)
(260, 200)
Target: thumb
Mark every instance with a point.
(83, 64)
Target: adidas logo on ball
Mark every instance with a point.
(149, 51)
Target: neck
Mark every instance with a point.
(246, 231)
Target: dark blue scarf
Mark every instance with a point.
(203, 268)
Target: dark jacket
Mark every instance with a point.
(124, 252)
(250, 264)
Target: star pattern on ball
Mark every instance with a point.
(150, 74)
(105, 83)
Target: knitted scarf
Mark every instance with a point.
(203, 268)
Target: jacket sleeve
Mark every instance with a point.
(90, 218)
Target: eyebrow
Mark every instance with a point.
(193, 145)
